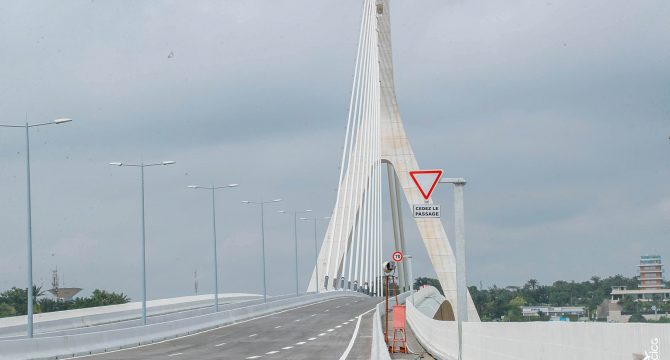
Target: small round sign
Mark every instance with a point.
(397, 256)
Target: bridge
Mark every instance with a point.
(340, 315)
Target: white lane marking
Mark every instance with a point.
(353, 337)
(310, 339)
(208, 330)
(297, 320)
(277, 327)
(327, 310)
(337, 307)
(338, 326)
(322, 334)
(313, 314)
(301, 343)
(287, 347)
(329, 330)
(345, 323)
(271, 352)
(217, 345)
(252, 335)
(351, 320)
(255, 357)
(175, 354)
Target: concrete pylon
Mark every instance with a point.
(397, 152)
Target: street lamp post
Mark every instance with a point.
(262, 204)
(142, 165)
(216, 262)
(459, 229)
(316, 249)
(27, 126)
(295, 243)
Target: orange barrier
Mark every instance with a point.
(399, 334)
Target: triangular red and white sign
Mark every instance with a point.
(426, 180)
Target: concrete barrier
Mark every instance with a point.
(81, 318)
(539, 340)
(82, 344)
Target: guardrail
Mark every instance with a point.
(97, 342)
(379, 347)
(539, 340)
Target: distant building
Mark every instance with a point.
(651, 272)
(659, 294)
(553, 311)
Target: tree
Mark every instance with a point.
(637, 318)
(6, 310)
(420, 281)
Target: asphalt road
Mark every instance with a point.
(318, 331)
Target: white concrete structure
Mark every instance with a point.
(537, 340)
(351, 250)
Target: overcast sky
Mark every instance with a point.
(557, 113)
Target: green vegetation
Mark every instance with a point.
(14, 301)
(496, 303)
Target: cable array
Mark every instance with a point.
(354, 255)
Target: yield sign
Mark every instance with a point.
(426, 180)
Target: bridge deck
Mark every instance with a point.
(317, 331)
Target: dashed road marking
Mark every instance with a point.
(301, 343)
(296, 320)
(327, 310)
(313, 314)
(252, 335)
(338, 326)
(175, 354)
(255, 357)
(287, 347)
(217, 345)
(277, 327)
(271, 352)
(310, 339)
(345, 323)
(322, 334)
(352, 320)
(329, 330)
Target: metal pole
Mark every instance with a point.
(411, 277)
(30, 240)
(461, 290)
(216, 263)
(295, 233)
(316, 258)
(265, 293)
(144, 256)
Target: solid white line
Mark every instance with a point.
(353, 337)
(217, 345)
(177, 354)
(287, 347)
(204, 331)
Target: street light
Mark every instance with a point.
(316, 249)
(30, 216)
(459, 229)
(216, 263)
(295, 235)
(142, 165)
(262, 204)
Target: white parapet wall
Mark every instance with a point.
(15, 326)
(95, 342)
(539, 340)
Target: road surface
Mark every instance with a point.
(322, 330)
